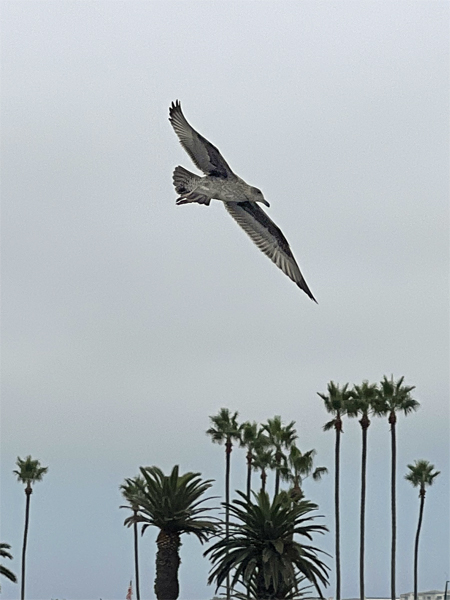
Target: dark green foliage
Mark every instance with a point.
(261, 552)
(4, 570)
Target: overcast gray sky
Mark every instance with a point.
(127, 320)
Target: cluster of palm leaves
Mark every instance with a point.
(387, 398)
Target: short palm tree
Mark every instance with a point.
(420, 475)
(336, 404)
(4, 570)
(252, 438)
(281, 437)
(29, 472)
(300, 465)
(225, 429)
(394, 397)
(172, 504)
(263, 459)
(361, 404)
(131, 490)
(262, 554)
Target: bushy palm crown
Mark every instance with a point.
(171, 503)
(421, 474)
(29, 470)
(225, 427)
(280, 436)
(394, 396)
(261, 550)
(132, 489)
(362, 398)
(335, 403)
(300, 465)
(263, 459)
(252, 436)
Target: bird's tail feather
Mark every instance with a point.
(183, 180)
(185, 183)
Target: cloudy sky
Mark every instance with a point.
(127, 320)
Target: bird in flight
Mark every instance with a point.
(240, 199)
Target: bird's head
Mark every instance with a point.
(257, 196)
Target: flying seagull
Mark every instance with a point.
(239, 198)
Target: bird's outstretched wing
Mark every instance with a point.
(205, 156)
(269, 239)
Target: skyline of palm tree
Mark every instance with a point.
(29, 472)
(336, 404)
(263, 459)
(361, 404)
(420, 475)
(252, 438)
(394, 397)
(281, 437)
(300, 466)
(130, 491)
(172, 504)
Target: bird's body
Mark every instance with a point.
(240, 198)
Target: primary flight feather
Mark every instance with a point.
(239, 198)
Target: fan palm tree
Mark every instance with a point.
(261, 553)
(171, 503)
(299, 466)
(131, 490)
(29, 472)
(4, 570)
(252, 438)
(420, 475)
(281, 437)
(336, 404)
(394, 397)
(263, 459)
(360, 404)
(225, 429)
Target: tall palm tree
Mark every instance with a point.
(171, 503)
(281, 437)
(252, 438)
(360, 404)
(262, 554)
(131, 490)
(394, 397)
(29, 472)
(225, 429)
(300, 465)
(420, 475)
(336, 404)
(4, 570)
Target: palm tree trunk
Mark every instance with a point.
(336, 506)
(249, 473)
(363, 508)
(167, 564)
(416, 545)
(28, 492)
(392, 420)
(228, 447)
(136, 558)
(263, 480)
(277, 473)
